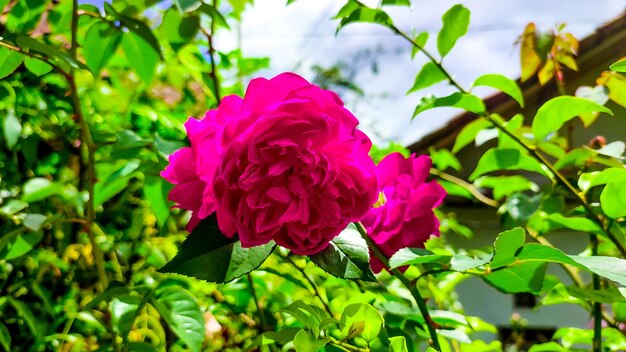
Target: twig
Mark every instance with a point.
(421, 303)
(311, 283)
(597, 306)
(211, 52)
(468, 186)
(90, 147)
(257, 302)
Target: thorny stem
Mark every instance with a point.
(90, 147)
(411, 286)
(311, 283)
(531, 150)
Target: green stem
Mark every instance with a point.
(531, 150)
(257, 302)
(468, 186)
(311, 283)
(411, 286)
(346, 346)
(597, 306)
(90, 149)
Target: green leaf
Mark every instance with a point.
(306, 342)
(397, 344)
(12, 128)
(619, 66)
(463, 101)
(5, 335)
(504, 186)
(506, 159)
(368, 15)
(34, 222)
(52, 52)
(282, 336)
(605, 295)
(123, 312)
(39, 188)
(526, 277)
(574, 223)
(187, 5)
(25, 313)
(506, 245)
(556, 111)
(429, 74)
(16, 244)
(115, 183)
(397, 2)
(455, 25)
(209, 255)
(141, 56)
(99, 45)
(613, 198)
(420, 40)
(462, 262)
(346, 257)
(468, 134)
(183, 314)
(13, 207)
(361, 318)
(155, 191)
(11, 60)
(609, 267)
(614, 149)
(411, 256)
(36, 66)
(503, 84)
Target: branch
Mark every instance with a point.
(468, 186)
(421, 303)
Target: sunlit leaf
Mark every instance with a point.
(463, 101)
(506, 159)
(455, 25)
(367, 15)
(429, 74)
(363, 318)
(503, 84)
(11, 128)
(613, 198)
(556, 111)
(140, 55)
(99, 45)
(506, 245)
(469, 133)
(36, 66)
(619, 66)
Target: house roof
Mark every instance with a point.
(596, 52)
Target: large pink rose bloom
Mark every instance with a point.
(404, 216)
(285, 163)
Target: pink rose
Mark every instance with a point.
(285, 163)
(404, 217)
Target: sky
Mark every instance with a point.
(301, 35)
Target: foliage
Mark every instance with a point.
(92, 104)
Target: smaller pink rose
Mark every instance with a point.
(404, 217)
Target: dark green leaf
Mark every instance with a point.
(209, 255)
(605, 295)
(5, 335)
(455, 25)
(366, 14)
(346, 257)
(182, 313)
(429, 74)
(397, 2)
(99, 45)
(506, 245)
(24, 312)
(140, 55)
(505, 185)
(556, 111)
(506, 159)
(49, 51)
(503, 84)
(11, 127)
